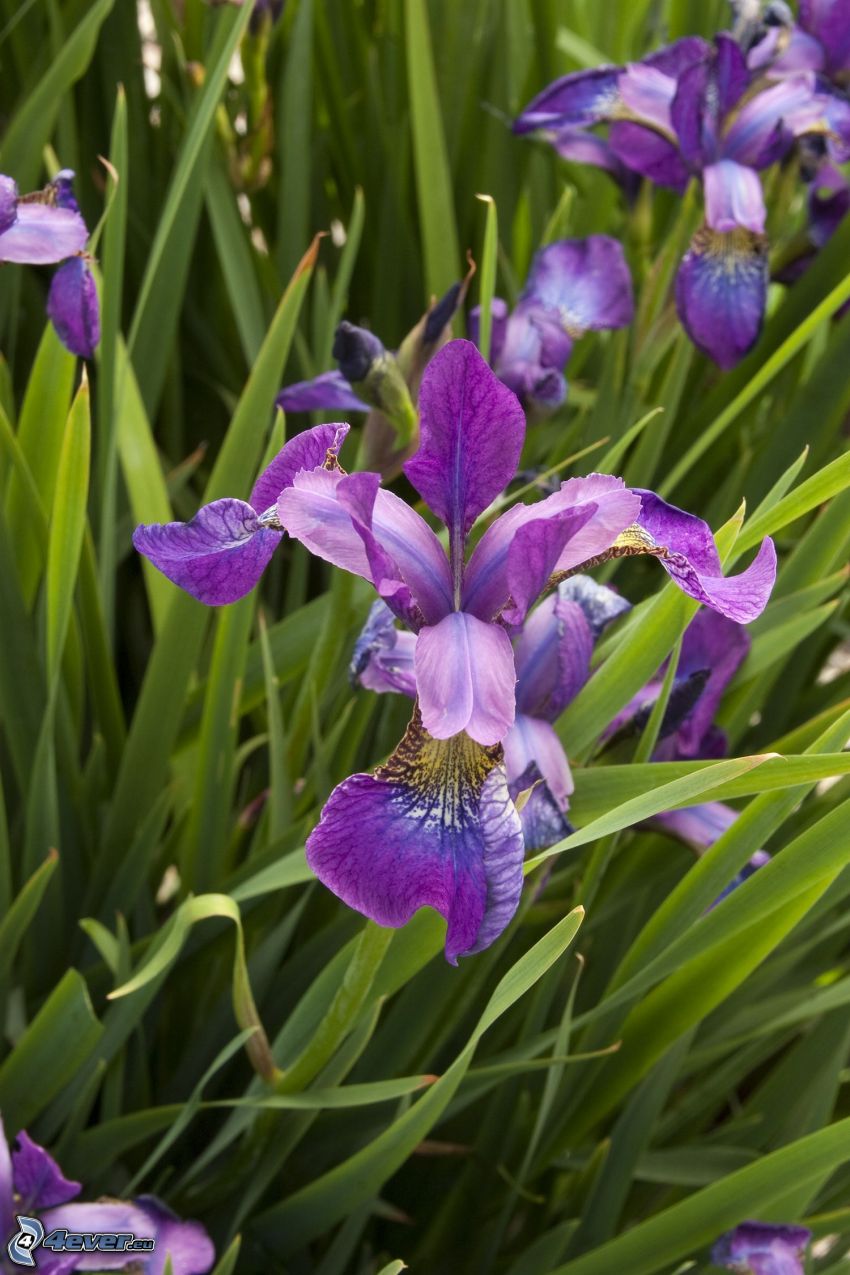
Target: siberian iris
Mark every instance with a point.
(436, 825)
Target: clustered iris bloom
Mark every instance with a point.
(574, 286)
(31, 1183)
(42, 229)
(762, 1248)
(436, 826)
(703, 110)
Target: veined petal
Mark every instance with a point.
(73, 307)
(721, 292)
(315, 448)
(579, 99)
(533, 742)
(648, 92)
(649, 154)
(472, 429)
(382, 659)
(434, 827)
(733, 197)
(691, 560)
(486, 585)
(586, 281)
(765, 126)
(39, 1182)
(311, 511)
(43, 234)
(8, 202)
(465, 678)
(218, 557)
(534, 553)
(552, 656)
(327, 392)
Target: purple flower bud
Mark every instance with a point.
(762, 1248)
(63, 186)
(8, 202)
(356, 350)
(73, 309)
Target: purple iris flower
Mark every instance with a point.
(45, 228)
(574, 286)
(762, 1248)
(694, 109)
(436, 825)
(31, 1183)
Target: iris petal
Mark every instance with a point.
(721, 292)
(308, 450)
(43, 234)
(325, 393)
(587, 281)
(39, 1182)
(73, 308)
(465, 678)
(434, 827)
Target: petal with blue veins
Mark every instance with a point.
(43, 234)
(73, 307)
(435, 827)
(465, 678)
(552, 657)
(39, 1182)
(315, 448)
(721, 292)
(690, 558)
(328, 392)
(579, 99)
(534, 553)
(764, 1248)
(218, 557)
(586, 281)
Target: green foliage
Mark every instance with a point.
(185, 1011)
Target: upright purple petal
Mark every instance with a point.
(218, 557)
(586, 281)
(764, 128)
(43, 234)
(465, 678)
(73, 307)
(486, 583)
(552, 657)
(733, 197)
(695, 126)
(731, 74)
(534, 554)
(673, 59)
(533, 742)
(39, 1182)
(328, 392)
(382, 659)
(829, 22)
(315, 448)
(311, 510)
(434, 827)
(472, 429)
(647, 92)
(649, 154)
(721, 292)
(763, 1248)
(691, 560)
(579, 99)
(8, 202)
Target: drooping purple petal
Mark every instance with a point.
(218, 557)
(186, 1244)
(498, 323)
(43, 234)
(533, 742)
(763, 1248)
(552, 657)
(647, 92)
(325, 393)
(8, 202)
(73, 307)
(714, 643)
(579, 99)
(649, 154)
(829, 22)
(39, 1182)
(733, 197)
(692, 561)
(472, 429)
(486, 585)
(586, 281)
(534, 350)
(382, 659)
(764, 128)
(311, 449)
(721, 293)
(434, 827)
(312, 512)
(586, 148)
(465, 678)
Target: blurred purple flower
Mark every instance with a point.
(762, 1248)
(699, 110)
(265, 12)
(574, 286)
(45, 228)
(31, 1182)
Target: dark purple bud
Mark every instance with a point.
(8, 202)
(440, 315)
(356, 350)
(73, 309)
(265, 11)
(63, 185)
